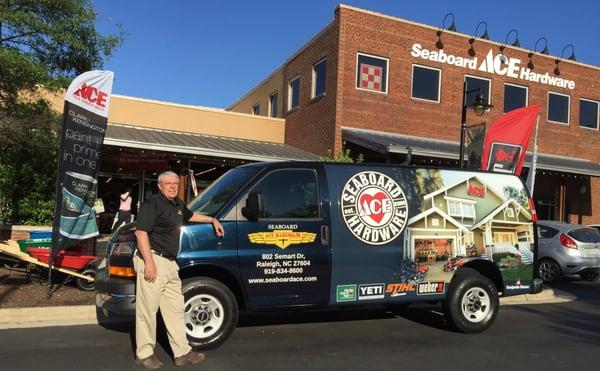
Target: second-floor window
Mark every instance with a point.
(515, 96)
(371, 73)
(256, 109)
(558, 108)
(461, 209)
(294, 93)
(273, 105)
(477, 85)
(318, 78)
(588, 114)
(426, 83)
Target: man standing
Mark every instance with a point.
(158, 284)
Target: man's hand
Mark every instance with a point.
(218, 227)
(150, 272)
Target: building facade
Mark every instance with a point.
(392, 90)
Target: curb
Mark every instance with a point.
(12, 318)
(547, 296)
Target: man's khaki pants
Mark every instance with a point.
(164, 293)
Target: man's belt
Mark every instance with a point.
(161, 254)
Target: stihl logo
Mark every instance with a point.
(92, 95)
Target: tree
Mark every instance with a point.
(42, 43)
(343, 156)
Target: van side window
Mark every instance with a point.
(546, 232)
(289, 194)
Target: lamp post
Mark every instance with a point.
(479, 106)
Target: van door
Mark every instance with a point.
(284, 254)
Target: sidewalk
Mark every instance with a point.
(86, 314)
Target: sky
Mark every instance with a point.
(210, 53)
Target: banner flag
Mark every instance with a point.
(506, 140)
(530, 182)
(476, 136)
(84, 125)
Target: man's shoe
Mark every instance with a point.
(192, 358)
(151, 362)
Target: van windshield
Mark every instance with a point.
(212, 199)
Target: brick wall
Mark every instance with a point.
(397, 112)
(311, 126)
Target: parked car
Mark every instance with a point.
(567, 249)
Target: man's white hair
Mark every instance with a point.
(166, 174)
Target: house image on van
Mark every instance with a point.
(468, 219)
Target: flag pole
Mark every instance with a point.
(530, 182)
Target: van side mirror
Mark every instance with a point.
(255, 205)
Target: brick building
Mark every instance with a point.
(379, 85)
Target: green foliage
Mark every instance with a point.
(47, 42)
(343, 156)
(518, 195)
(42, 43)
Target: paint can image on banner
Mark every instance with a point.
(78, 218)
(374, 207)
(504, 157)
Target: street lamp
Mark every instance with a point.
(479, 107)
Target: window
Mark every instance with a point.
(461, 209)
(587, 235)
(426, 83)
(294, 93)
(477, 85)
(510, 212)
(273, 105)
(546, 232)
(318, 78)
(256, 109)
(515, 96)
(289, 194)
(371, 73)
(588, 114)
(558, 108)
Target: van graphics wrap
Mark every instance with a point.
(370, 291)
(282, 238)
(445, 219)
(374, 207)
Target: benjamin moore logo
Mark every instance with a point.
(91, 95)
(282, 238)
(370, 291)
(374, 207)
(346, 293)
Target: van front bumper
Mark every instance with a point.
(536, 286)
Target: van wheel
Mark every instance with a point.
(549, 271)
(210, 312)
(472, 302)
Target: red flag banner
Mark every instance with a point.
(506, 140)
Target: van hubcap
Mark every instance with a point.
(204, 315)
(475, 304)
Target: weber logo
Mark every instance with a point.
(370, 291)
(429, 288)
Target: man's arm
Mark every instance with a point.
(201, 218)
(143, 245)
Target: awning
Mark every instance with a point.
(199, 144)
(384, 142)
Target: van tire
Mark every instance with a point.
(472, 302)
(210, 312)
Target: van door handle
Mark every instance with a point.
(325, 235)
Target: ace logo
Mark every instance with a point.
(91, 95)
(374, 207)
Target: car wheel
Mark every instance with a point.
(85, 285)
(549, 271)
(472, 302)
(210, 312)
(589, 276)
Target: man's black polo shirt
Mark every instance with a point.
(162, 219)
